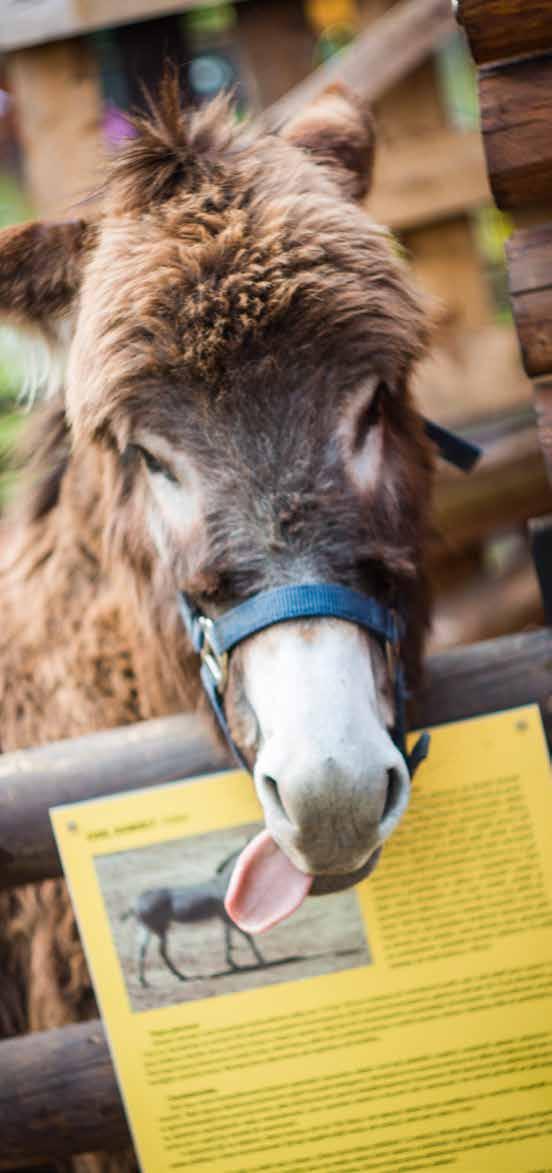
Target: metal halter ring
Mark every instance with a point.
(216, 662)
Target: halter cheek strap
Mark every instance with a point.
(214, 640)
(455, 449)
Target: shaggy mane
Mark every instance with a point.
(171, 148)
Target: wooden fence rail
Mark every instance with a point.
(58, 1096)
(492, 675)
(129, 758)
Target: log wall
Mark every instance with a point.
(505, 28)
(516, 123)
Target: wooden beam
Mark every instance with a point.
(106, 763)
(543, 410)
(58, 1096)
(508, 487)
(278, 46)
(31, 781)
(529, 254)
(516, 116)
(506, 28)
(378, 58)
(59, 110)
(486, 677)
(51, 20)
(437, 176)
(469, 613)
(472, 375)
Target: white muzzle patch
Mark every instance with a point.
(332, 783)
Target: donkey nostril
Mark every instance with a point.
(272, 798)
(393, 793)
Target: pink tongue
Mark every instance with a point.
(265, 886)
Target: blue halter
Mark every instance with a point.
(214, 639)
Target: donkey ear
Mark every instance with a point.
(338, 132)
(40, 271)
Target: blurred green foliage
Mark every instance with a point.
(13, 209)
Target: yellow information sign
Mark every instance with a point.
(404, 1025)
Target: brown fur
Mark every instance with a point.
(231, 297)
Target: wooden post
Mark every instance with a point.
(57, 91)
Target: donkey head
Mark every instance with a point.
(240, 348)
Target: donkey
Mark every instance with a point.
(157, 908)
(235, 415)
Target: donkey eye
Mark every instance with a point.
(154, 465)
(367, 418)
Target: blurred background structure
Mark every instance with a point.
(71, 72)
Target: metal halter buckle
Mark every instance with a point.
(216, 662)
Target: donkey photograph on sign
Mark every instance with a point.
(175, 941)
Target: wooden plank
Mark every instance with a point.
(470, 375)
(516, 115)
(101, 763)
(411, 30)
(447, 265)
(175, 747)
(529, 254)
(277, 44)
(507, 488)
(59, 109)
(24, 24)
(439, 175)
(543, 408)
(505, 28)
(468, 612)
(486, 677)
(443, 253)
(533, 317)
(58, 1096)
(380, 56)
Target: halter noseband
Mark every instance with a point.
(214, 639)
